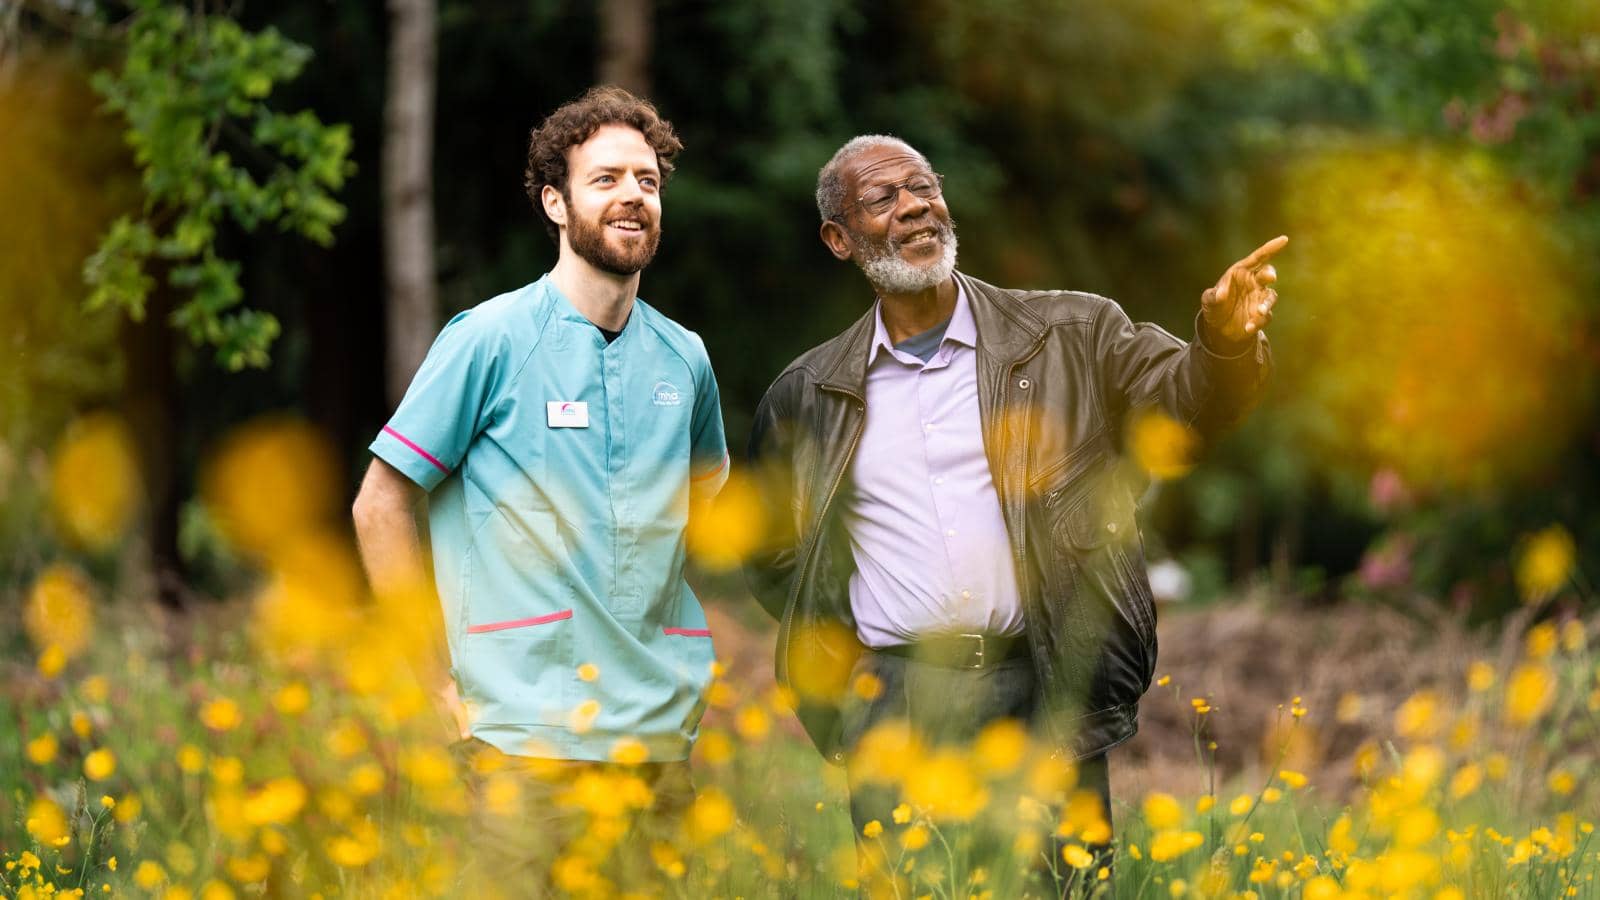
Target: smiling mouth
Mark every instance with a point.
(626, 226)
(919, 238)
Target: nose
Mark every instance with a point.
(902, 209)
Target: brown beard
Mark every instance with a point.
(588, 240)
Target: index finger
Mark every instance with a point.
(1264, 252)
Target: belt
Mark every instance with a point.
(961, 651)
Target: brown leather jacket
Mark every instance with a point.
(1059, 374)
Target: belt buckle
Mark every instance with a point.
(976, 660)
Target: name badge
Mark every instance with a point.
(567, 414)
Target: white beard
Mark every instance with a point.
(891, 274)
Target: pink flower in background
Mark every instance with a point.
(1387, 493)
(1387, 564)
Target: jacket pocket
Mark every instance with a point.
(1095, 553)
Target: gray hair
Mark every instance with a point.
(830, 181)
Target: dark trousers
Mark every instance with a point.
(547, 828)
(946, 709)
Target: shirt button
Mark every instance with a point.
(950, 532)
(966, 595)
(939, 480)
(1111, 527)
(1024, 383)
(929, 426)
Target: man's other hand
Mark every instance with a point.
(1241, 303)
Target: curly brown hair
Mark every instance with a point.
(575, 122)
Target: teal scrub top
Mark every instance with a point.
(559, 470)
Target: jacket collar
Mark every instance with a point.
(1007, 329)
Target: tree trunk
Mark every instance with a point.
(408, 264)
(625, 44)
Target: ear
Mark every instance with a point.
(836, 239)
(555, 206)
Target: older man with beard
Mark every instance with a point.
(559, 433)
(958, 546)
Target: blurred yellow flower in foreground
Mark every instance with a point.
(1171, 844)
(722, 535)
(58, 612)
(1529, 694)
(1162, 811)
(221, 714)
(94, 481)
(269, 481)
(45, 821)
(944, 786)
(1385, 235)
(710, 816)
(1545, 563)
(1162, 446)
(99, 765)
(1000, 747)
(42, 749)
(1077, 857)
(275, 803)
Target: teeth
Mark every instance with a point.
(627, 225)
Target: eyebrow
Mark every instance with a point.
(612, 170)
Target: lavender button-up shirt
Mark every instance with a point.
(930, 545)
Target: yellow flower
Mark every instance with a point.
(51, 661)
(1241, 804)
(191, 759)
(1480, 676)
(357, 848)
(1541, 640)
(1545, 563)
(270, 482)
(1321, 887)
(714, 747)
(149, 874)
(1205, 803)
(221, 714)
(722, 534)
(94, 481)
(1162, 811)
(1077, 857)
(1163, 681)
(107, 801)
(1466, 781)
(1529, 694)
(96, 689)
(710, 816)
(902, 814)
(1171, 844)
(45, 821)
(58, 612)
(1163, 446)
(872, 829)
(128, 808)
(752, 723)
(583, 715)
(292, 699)
(944, 785)
(1496, 766)
(629, 751)
(1292, 778)
(99, 765)
(1000, 747)
(588, 672)
(42, 749)
(1561, 782)
(1573, 636)
(1418, 717)
(275, 803)
(366, 779)
(249, 869)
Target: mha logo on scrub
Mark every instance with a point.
(665, 394)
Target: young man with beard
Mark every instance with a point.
(958, 543)
(559, 433)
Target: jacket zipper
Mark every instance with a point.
(822, 521)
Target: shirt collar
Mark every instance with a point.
(962, 329)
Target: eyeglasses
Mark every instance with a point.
(878, 199)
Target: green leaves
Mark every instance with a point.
(192, 89)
